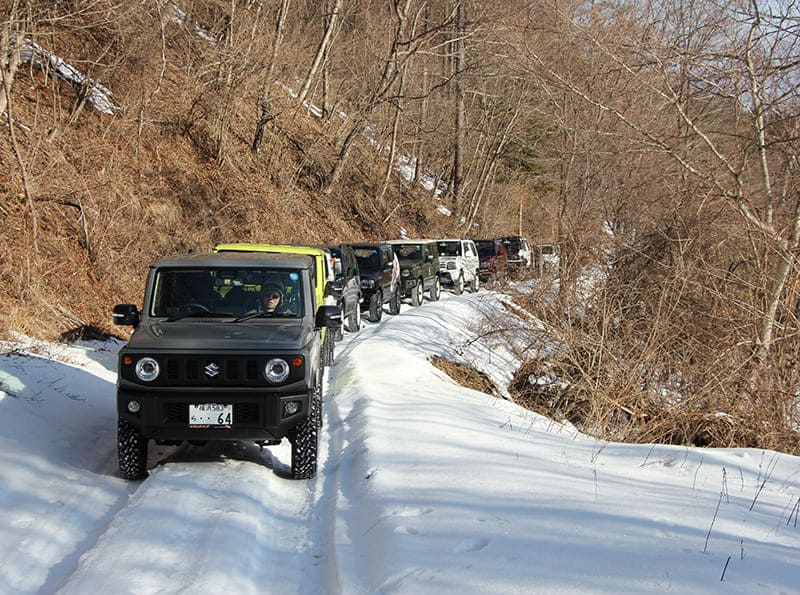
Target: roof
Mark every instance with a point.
(270, 248)
(238, 259)
(411, 242)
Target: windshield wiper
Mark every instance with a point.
(200, 314)
(265, 315)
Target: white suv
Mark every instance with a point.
(459, 264)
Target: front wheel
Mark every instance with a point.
(416, 293)
(305, 440)
(394, 303)
(475, 284)
(436, 290)
(458, 286)
(132, 451)
(376, 307)
(354, 318)
(327, 348)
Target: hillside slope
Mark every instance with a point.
(91, 198)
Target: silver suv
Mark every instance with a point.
(459, 264)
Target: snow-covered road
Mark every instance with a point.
(424, 487)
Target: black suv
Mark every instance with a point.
(346, 286)
(197, 369)
(380, 274)
(419, 269)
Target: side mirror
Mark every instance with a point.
(126, 315)
(328, 316)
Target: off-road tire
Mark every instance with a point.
(327, 348)
(132, 451)
(354, 319)
(305, 440)
(394, 303)
(458, 286)
(417, 293)
(338, 334)
(475, 284)
(436, 291)
(375, 307)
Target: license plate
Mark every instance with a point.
(210, 414)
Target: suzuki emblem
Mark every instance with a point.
(211, 370)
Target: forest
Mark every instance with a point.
(655, 141)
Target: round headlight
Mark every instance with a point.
(277, 370)
(147, 369)
(406, 273)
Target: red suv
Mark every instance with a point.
(493, 263)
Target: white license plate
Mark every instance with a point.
(210, 414)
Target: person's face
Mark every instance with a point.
(271, 299)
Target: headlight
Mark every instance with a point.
(367, 283)
(276, 370)
(406, 273)
(451, 266)
(147, 369)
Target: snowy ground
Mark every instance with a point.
(424, 487)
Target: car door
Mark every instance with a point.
(390, 271)
(431, 263)
(471, 262)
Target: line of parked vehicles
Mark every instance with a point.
(232, 345)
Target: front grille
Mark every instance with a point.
(194, 371)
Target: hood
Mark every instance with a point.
(203, 335)
(408, 264)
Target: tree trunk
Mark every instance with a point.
(331, 22)
(458, 145)
(266, 109)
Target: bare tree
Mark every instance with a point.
(331, 25)
(266, 114)
(460, 110)
(401, 50)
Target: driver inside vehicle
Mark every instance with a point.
(273, 300)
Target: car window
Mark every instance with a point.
(486, 248)
(221, 291)
(450, 248)
(368, 259)
(409, 251)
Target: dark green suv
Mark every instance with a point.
(226, 347)
(419, 269)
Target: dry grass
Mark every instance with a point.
(659, 355)
(465, 375)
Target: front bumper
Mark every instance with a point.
(407, 284)
(258, 414)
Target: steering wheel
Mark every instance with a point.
(197, 307)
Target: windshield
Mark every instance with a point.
(449, 248)
(226, 292)
(369, 260)
(408, 251)
(513, 245)
(485, 248)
